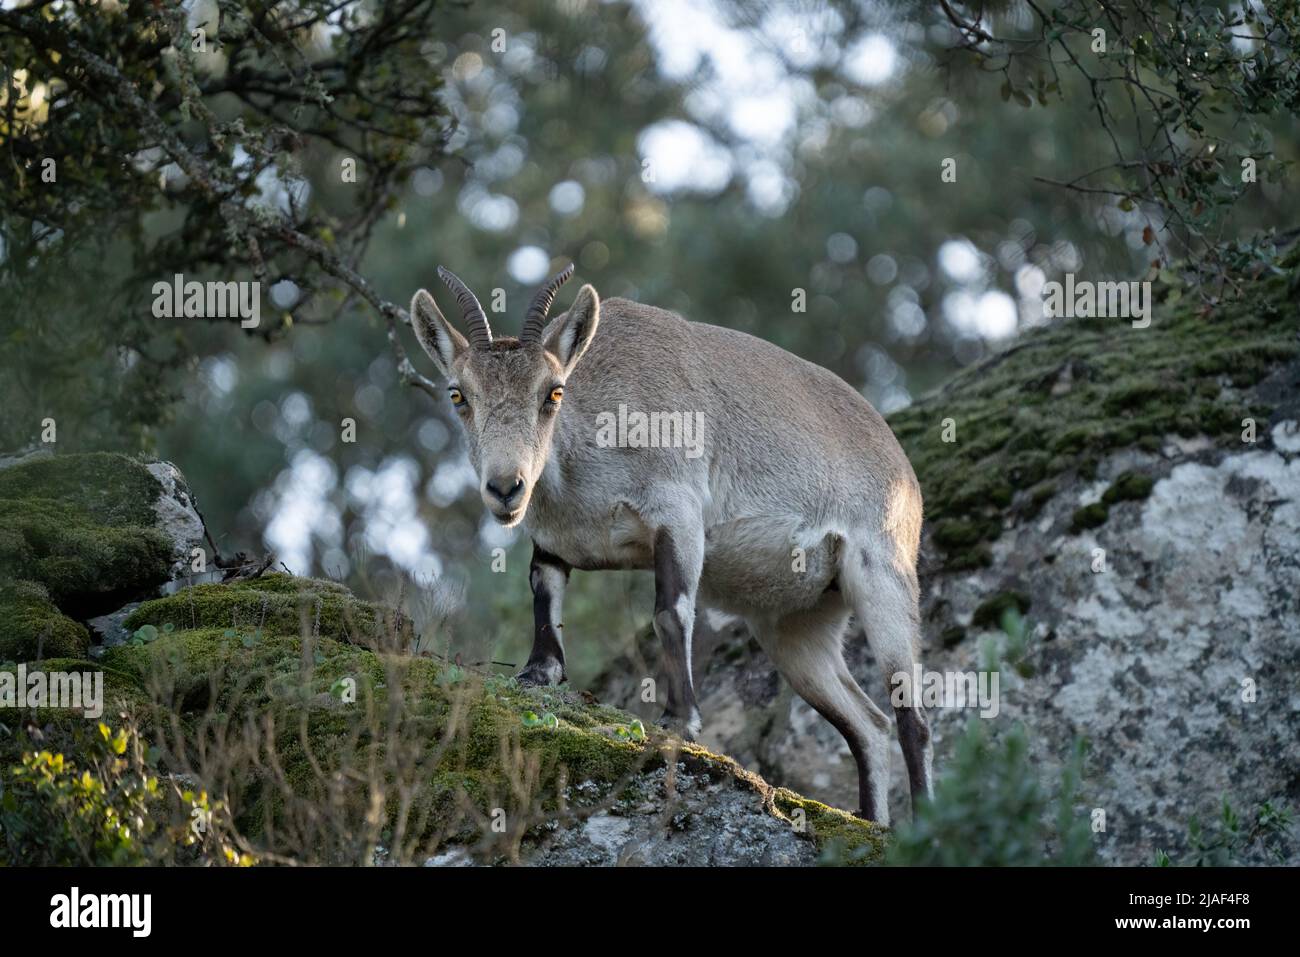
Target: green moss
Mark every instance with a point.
(954, 533)
(1065, 396)
(1029, 468)
(841, 837)
(1132, 395)
(1128, 487)
(31, 626)
(112, 489)
(454, 741)
(273, 603)
(1089, 516)
(212, 668)
(121, 691)
(82, 526)
(77, 560)
(979, 556)
(990, 611)
(282, 584)
(1039, 496)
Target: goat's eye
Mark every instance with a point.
(556, 394)
(457, 397)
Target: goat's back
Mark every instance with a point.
(777, 428)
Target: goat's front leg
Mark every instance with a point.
(678, 559)
(548, 575)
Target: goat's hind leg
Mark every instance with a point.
(807, 649)
(678, 559)
(884, 595)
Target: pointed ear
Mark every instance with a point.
(436, 335)
(571, 334)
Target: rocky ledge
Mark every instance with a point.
(327, 740)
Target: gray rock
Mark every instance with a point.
(178, 519)
(108, 629)
(709, 821)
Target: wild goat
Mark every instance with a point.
(801, 509)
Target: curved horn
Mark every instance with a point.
(541, 305)
(476, 324)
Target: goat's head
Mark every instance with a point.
(507, 392)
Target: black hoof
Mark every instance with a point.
(688, 729)
(542, 674)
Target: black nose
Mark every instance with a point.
(506, 490)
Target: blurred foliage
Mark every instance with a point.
(990, 809)
(711, 160)
(145, 140)
(1182, 95)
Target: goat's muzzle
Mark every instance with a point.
(504, 496)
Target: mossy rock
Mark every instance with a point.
(841, 837)
(278, 604)
(122, 692)
(31, 625)
(339, 717)
(111, 488)
(83, 527)
(1089, 516)
(1064, 396)
(187, 670)
(1128, 487)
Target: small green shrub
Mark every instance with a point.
(1225, 841)
(112, 809)
(990, 809)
